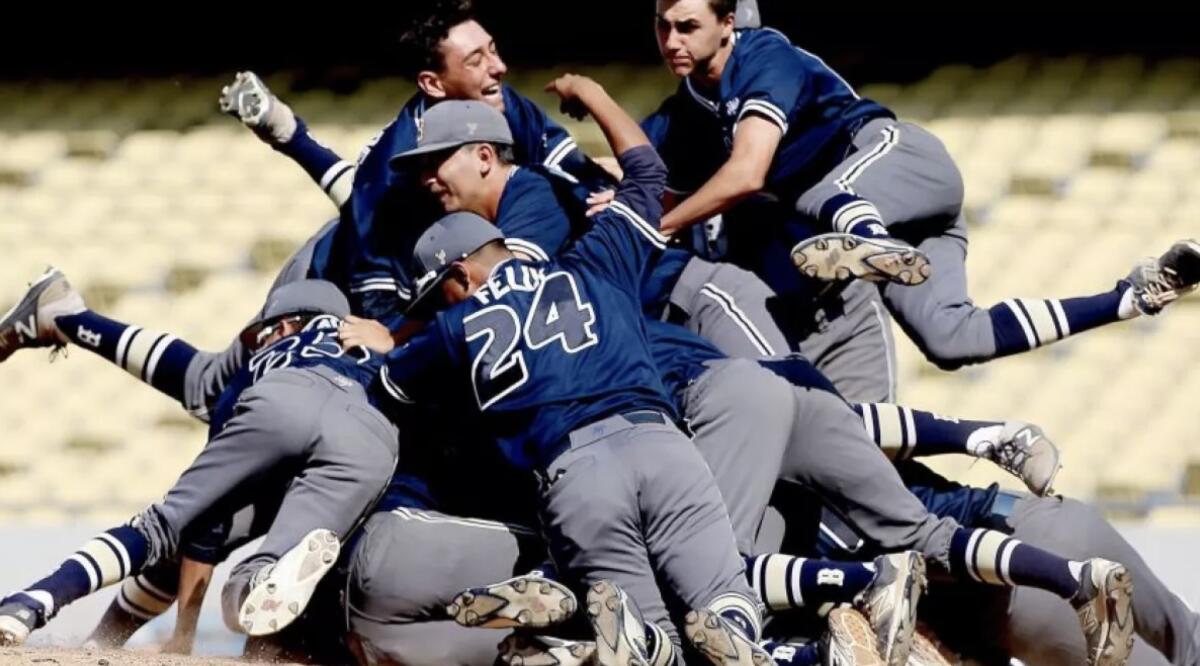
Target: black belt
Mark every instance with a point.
(643, 416)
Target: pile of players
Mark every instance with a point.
(515, 404)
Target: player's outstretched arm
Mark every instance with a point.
(742, 175)
(249, 100)
(582, 96)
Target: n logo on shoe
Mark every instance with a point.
(27, 331)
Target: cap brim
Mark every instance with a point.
(421, 303)
(397, 160)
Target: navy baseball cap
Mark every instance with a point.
(312, 297)
(450, 239)
(455, 123)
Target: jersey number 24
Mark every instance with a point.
(558, 314)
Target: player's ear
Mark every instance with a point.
(431, 84)
(487, 158)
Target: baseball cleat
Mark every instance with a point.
(530, 602)
(30, 323)
(926, 651)
(890, 603)
(16, 622)
(721, 642)
(839, 256)
(620, 636)
(850, 640)
(1159, 282)
(1104, 604)
(1025, 452)
(522, 649)
(249, 100)
(280, 591)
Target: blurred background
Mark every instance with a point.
(1079, 142)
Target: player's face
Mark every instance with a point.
(471, 66)
(689, 34)
(453, 178)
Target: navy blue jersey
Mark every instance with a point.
(377, 266)
(547, 347)
(679, 354)
(817, 111)
(315, 345)
(541, 215)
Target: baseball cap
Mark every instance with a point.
(296, 298)
(454, 237)
(454, 123)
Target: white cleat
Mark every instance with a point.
(30, 323)
(835, 257)
(1025, 452)
(1104, 604)
(249, 100)
(280, 593)
(620, 635)
(530, 602)
(890, 603)
(850, 640)
(720, 642)
(16, 623)
(522, 649)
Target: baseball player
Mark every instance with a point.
(304, 414)
(556, 357)
(806, 138)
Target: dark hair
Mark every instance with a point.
(722, 8)
(420, 44)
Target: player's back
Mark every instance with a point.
(556, 346)
(316, 345)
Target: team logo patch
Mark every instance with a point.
(441, 257)
(472, 128)
(88, 337)
(731, 106)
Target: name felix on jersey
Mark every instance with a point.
(509, 278)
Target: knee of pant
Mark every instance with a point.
(957, 336)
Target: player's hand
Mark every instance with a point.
(572, 89)
(359, 332)
(598, 201)
(249, 100)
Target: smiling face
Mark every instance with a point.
(471, 67)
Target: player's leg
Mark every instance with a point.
(850, 473)
(1072, 528)
(208, 541)
(409, 564)
(853, 345)
(1020, 448)
(52, 313)
(727, 306)
(249, 100)
(344, 469)
(740, 426)
(915, 188)
(952, 331)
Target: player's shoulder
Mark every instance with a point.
(402, 130)
(765, 45)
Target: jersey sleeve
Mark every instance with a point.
(771, 81)
(420, 369)
(532, 218)
(332, 174)
(624, 237)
